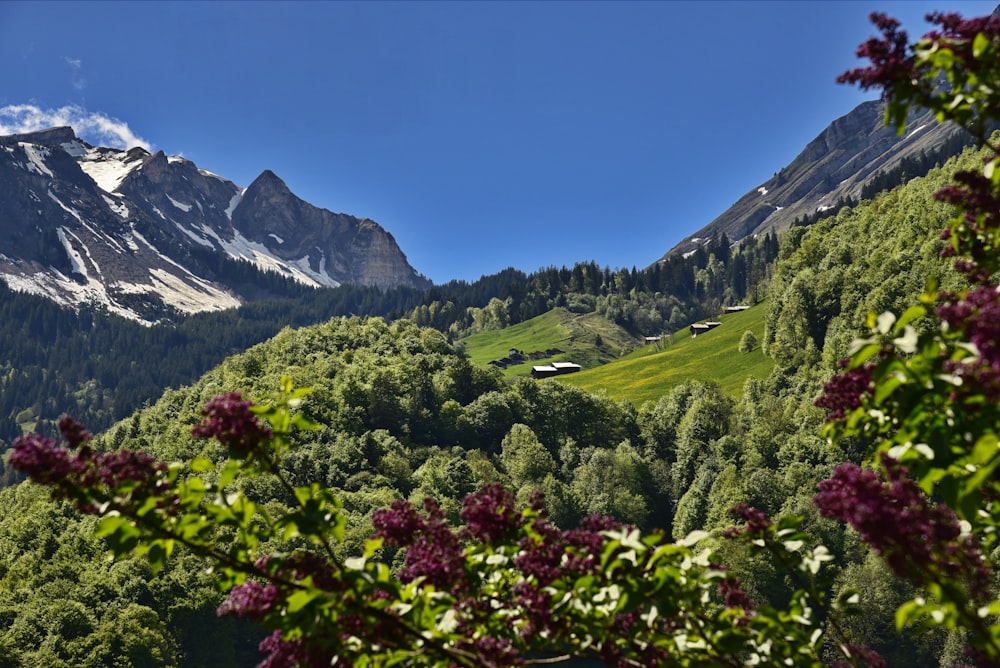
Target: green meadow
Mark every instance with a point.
(650, 372)
(587, 339)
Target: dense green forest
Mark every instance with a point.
(407, 416)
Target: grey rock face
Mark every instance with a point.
(835, 166)
(142, 235)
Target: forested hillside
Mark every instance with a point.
(404, 416)
(101, 367)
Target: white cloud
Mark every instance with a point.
(94, 127)
(76, 66)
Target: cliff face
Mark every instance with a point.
(834, 167)
(354, 251)
(143, 235)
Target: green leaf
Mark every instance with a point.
(228, 473)
(201, 464)
(300, 421)
(121, 535)
(980, 45)
(373, 545)
(109, 524)
(301, 599)
(909, 315)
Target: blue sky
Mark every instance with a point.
(482, 135)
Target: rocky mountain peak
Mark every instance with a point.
(51, 136)
(147, 235)
(833, 168)
(268, 184)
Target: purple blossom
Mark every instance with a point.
(542, 555)
(495, 652)
(489, 514)
(251, 599)
(73, 432)
(586, 542)
(891, 62)
(398, 524)
(918, 538)
(291, 653)
(845, 391)
(302, 565)
(757, 522)
(41, 459)
(80, 475)
(228, 418)
(731, 591)
(977, 316)
(536, 604)
(976, 197)
(114, 469)
(433, 551)
(860, 655)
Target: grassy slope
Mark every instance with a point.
(649, 373)
(575, 334)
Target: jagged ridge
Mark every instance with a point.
(143, 235)
(834, 167)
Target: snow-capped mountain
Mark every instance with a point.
(146, 235)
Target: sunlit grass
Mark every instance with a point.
(588, 339)
(649, 373)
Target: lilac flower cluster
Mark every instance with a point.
(891, 61)
(977, 316)
(918, 538)
(546, 555)
(433, 550)
(860, 655)
(845, 391)
(959, 34)
(265, 600)
(614, 653)
(976, 197)
(489, 515)
(81, 474)
(757, 522)
(228, 418)
(493, 652)
(894, 67)
(732, 594)
(252, 599)
(298, 653)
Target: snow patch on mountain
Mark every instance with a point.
(194, 237)
(36, 158)
(75, 148)
(75, 258)
(242, 248)
(67, 291)
(233, 203)
(109, 168)
(117, 206)
(180, 205)
(189, 298)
